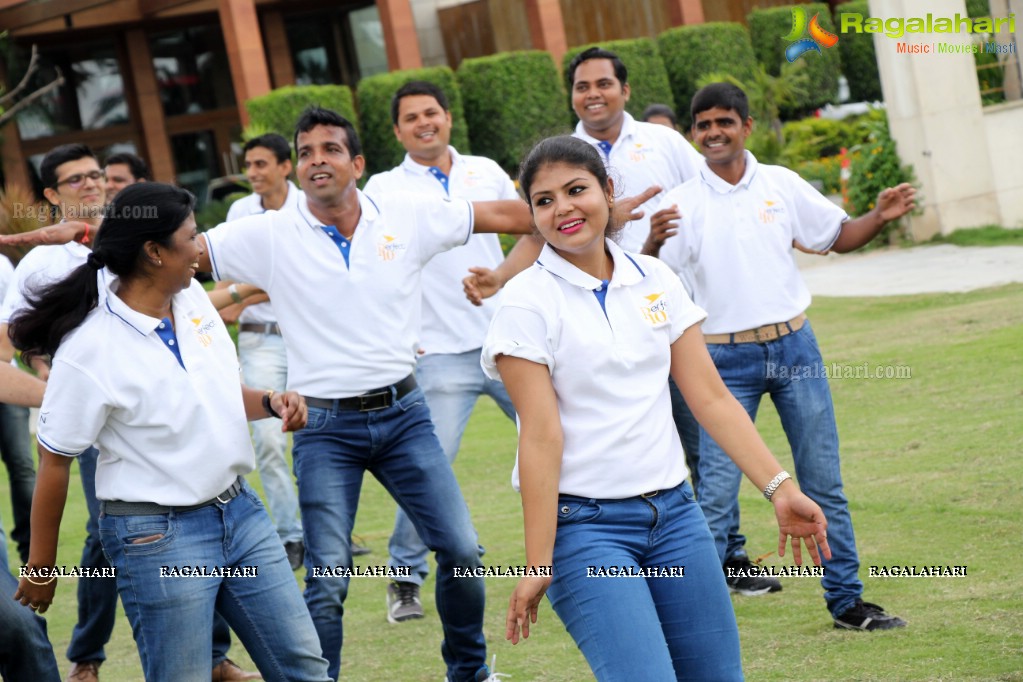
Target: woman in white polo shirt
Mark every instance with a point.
(584, 341)
(144, 368)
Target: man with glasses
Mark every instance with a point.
(75, 185)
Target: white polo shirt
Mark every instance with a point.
(6, 277)
(261, 313)
(450, 323)
(609, 369)
(353, 326)
(645, 154)
(41, 266)
(168, 432)
(734, 243)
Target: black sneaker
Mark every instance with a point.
(743, 576)
(866, 616)
(296, 553)
(403, 602)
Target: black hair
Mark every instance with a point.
(570, 151)
(417, 88)
(318, 116)
(58, 156)
(660, 110)
(138, 167)
(725, 95)
(59, 308)
(272, 141)
(621, 73)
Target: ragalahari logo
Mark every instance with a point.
(818, 36)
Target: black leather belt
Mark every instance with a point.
(377, 399)
(260, 328)
(118, 508)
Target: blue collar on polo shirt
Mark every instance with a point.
(627, 271)
(722, 186)
(142, 323)
(411, 166)
(369, 210)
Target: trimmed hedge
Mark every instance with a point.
(382, 149)
(278, 110)
(512, 100)
(768, 27)
(690, 52)
(648, 79)
(859, 59)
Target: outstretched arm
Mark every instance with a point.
(726, 421)
(892, 203)
(19, 388)
(483, 282)
(507, 216)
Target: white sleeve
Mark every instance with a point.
(6, 275)
(687, 159)
(243, 250)
(816, 221)
(67, 424)
(235, 212)
(682, 312)
(442, 224)
(520, 333)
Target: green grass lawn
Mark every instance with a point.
(932, 468)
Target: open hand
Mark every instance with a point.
(662, 228)
(895, 202)
(523, 606)
(800, 518)
(480, 284)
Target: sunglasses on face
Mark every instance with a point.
(78, 179)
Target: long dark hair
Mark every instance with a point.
(140, 213)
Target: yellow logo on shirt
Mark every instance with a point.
(655, 310)
(638, 153)
(768, 214)
(202, 331)
(389, 247)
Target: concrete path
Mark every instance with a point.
(916, 270)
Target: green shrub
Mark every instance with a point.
(828, 171)
(875, 166)
(648, 80)
(768, 27)
(859, 60)
(512, 100)
(812, 139)
(690, 52)
(382, 149)
(278, 110)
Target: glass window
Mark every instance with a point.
(336, 46)
(92, 96)
(192, 70)
(195, 158)
(368, 36)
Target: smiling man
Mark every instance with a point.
(124, 169)
(452, 329)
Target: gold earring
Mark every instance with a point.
(160, 263)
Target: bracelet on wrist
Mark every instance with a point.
(775, 482)
(41, 584)
(270, 411)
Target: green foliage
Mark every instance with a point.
(512, 100)
(278, 110)
(812, 139)
(985, 235)
(767, 29)
(382, 149)
(690, 52)
(827, 171)
(859, 59)
(648, 80)
(876, 166)
(215, 212)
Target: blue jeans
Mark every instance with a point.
(657, 628)
(171, 617)
(791, 371)
(264, 366)
(97, 597)
(25, 651)
(16, 452)
(398, 446)
(451, 383)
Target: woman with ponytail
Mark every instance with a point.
(144, 368)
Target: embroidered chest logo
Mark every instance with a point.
(769, 211)
(202, 331)
(389, 247)
(638, 152)
(654, 308)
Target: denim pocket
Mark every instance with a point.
(249, 340)
(411, 400)
(577, 511)
(129, 529)
(317, 420)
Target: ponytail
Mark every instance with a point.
(53, 312)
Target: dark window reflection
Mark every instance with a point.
(192, 70)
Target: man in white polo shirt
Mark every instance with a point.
(260, 345)
(348, 269)
(452, 330)
(735, 227)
